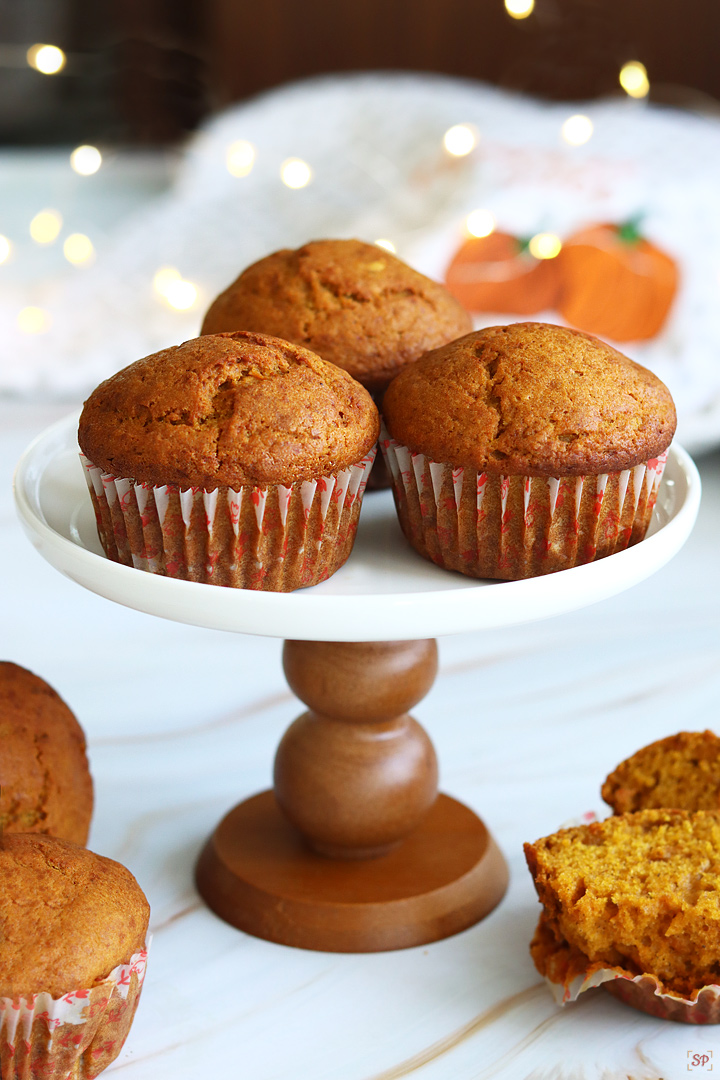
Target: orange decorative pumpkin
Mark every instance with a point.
(615, 283)
(498, 273)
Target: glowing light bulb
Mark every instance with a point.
(480, 223)
(78, 249)
(519, 9)
(634, 79)
(5, 249)
(545, 245)
(86, 160)
(45, 226)
(181, 294)
(387, 245)
(48, 59)
(164, 278)
(33, 320)
(577, 129)
(240, 157)
(295, 173)
(461, 139)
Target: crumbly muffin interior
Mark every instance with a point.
(640, 892)
(681, 772)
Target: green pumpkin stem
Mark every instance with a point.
(629, 231)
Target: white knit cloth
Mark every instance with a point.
(374, 144)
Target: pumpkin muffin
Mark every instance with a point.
(233, 459)
(72, 957)
(45, 783)
(525, 449)
(632, 897)
(681, 772)
(352, 303)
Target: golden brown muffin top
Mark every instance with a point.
(638, 891)
(681, 772)
(228, 409)
(45, 783)
(354, 304)
(67, 916)
(530, 399)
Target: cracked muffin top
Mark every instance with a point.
(228, 409)
(67, 916)
(681, 771)
(352, 303)
(531, 399)
(45, 783)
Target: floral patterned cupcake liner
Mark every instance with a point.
(275, 538)
(490, 525)
(73, 1037)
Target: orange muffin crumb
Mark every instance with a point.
(681, 772)
(639, 893)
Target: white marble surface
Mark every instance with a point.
(182, 723)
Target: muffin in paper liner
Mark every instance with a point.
(275, 538)
(489, 525)
(73, 1037)
(645, 992)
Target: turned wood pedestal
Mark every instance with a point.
(354, 850)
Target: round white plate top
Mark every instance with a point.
(385, 591)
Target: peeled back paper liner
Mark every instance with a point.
(644, 992)
(73, 1037)
(489, 525)
(276, 538)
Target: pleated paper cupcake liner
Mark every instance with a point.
(276, 538)
(73, 1037)
(645, 992)
(490, 525)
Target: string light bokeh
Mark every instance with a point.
(45, 226)
(240, 158)
(545, 245)
(295, 173)
(480, 223)
(244, 155)
(85, 160)
(47, 59)
(460, 140)
(577, 129)
(634, 80)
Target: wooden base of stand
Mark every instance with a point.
(258, 874)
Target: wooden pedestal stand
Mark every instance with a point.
(363, 854)
(354, 851)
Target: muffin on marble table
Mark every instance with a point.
(632, 903)
(233, 459)
(45, 782)
(73, 927)
(524, 449)
(352, 303)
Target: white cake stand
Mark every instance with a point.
(353, 850)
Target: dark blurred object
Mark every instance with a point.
(147, 71)
(566, 49)
(80, 102)
(134, 72)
